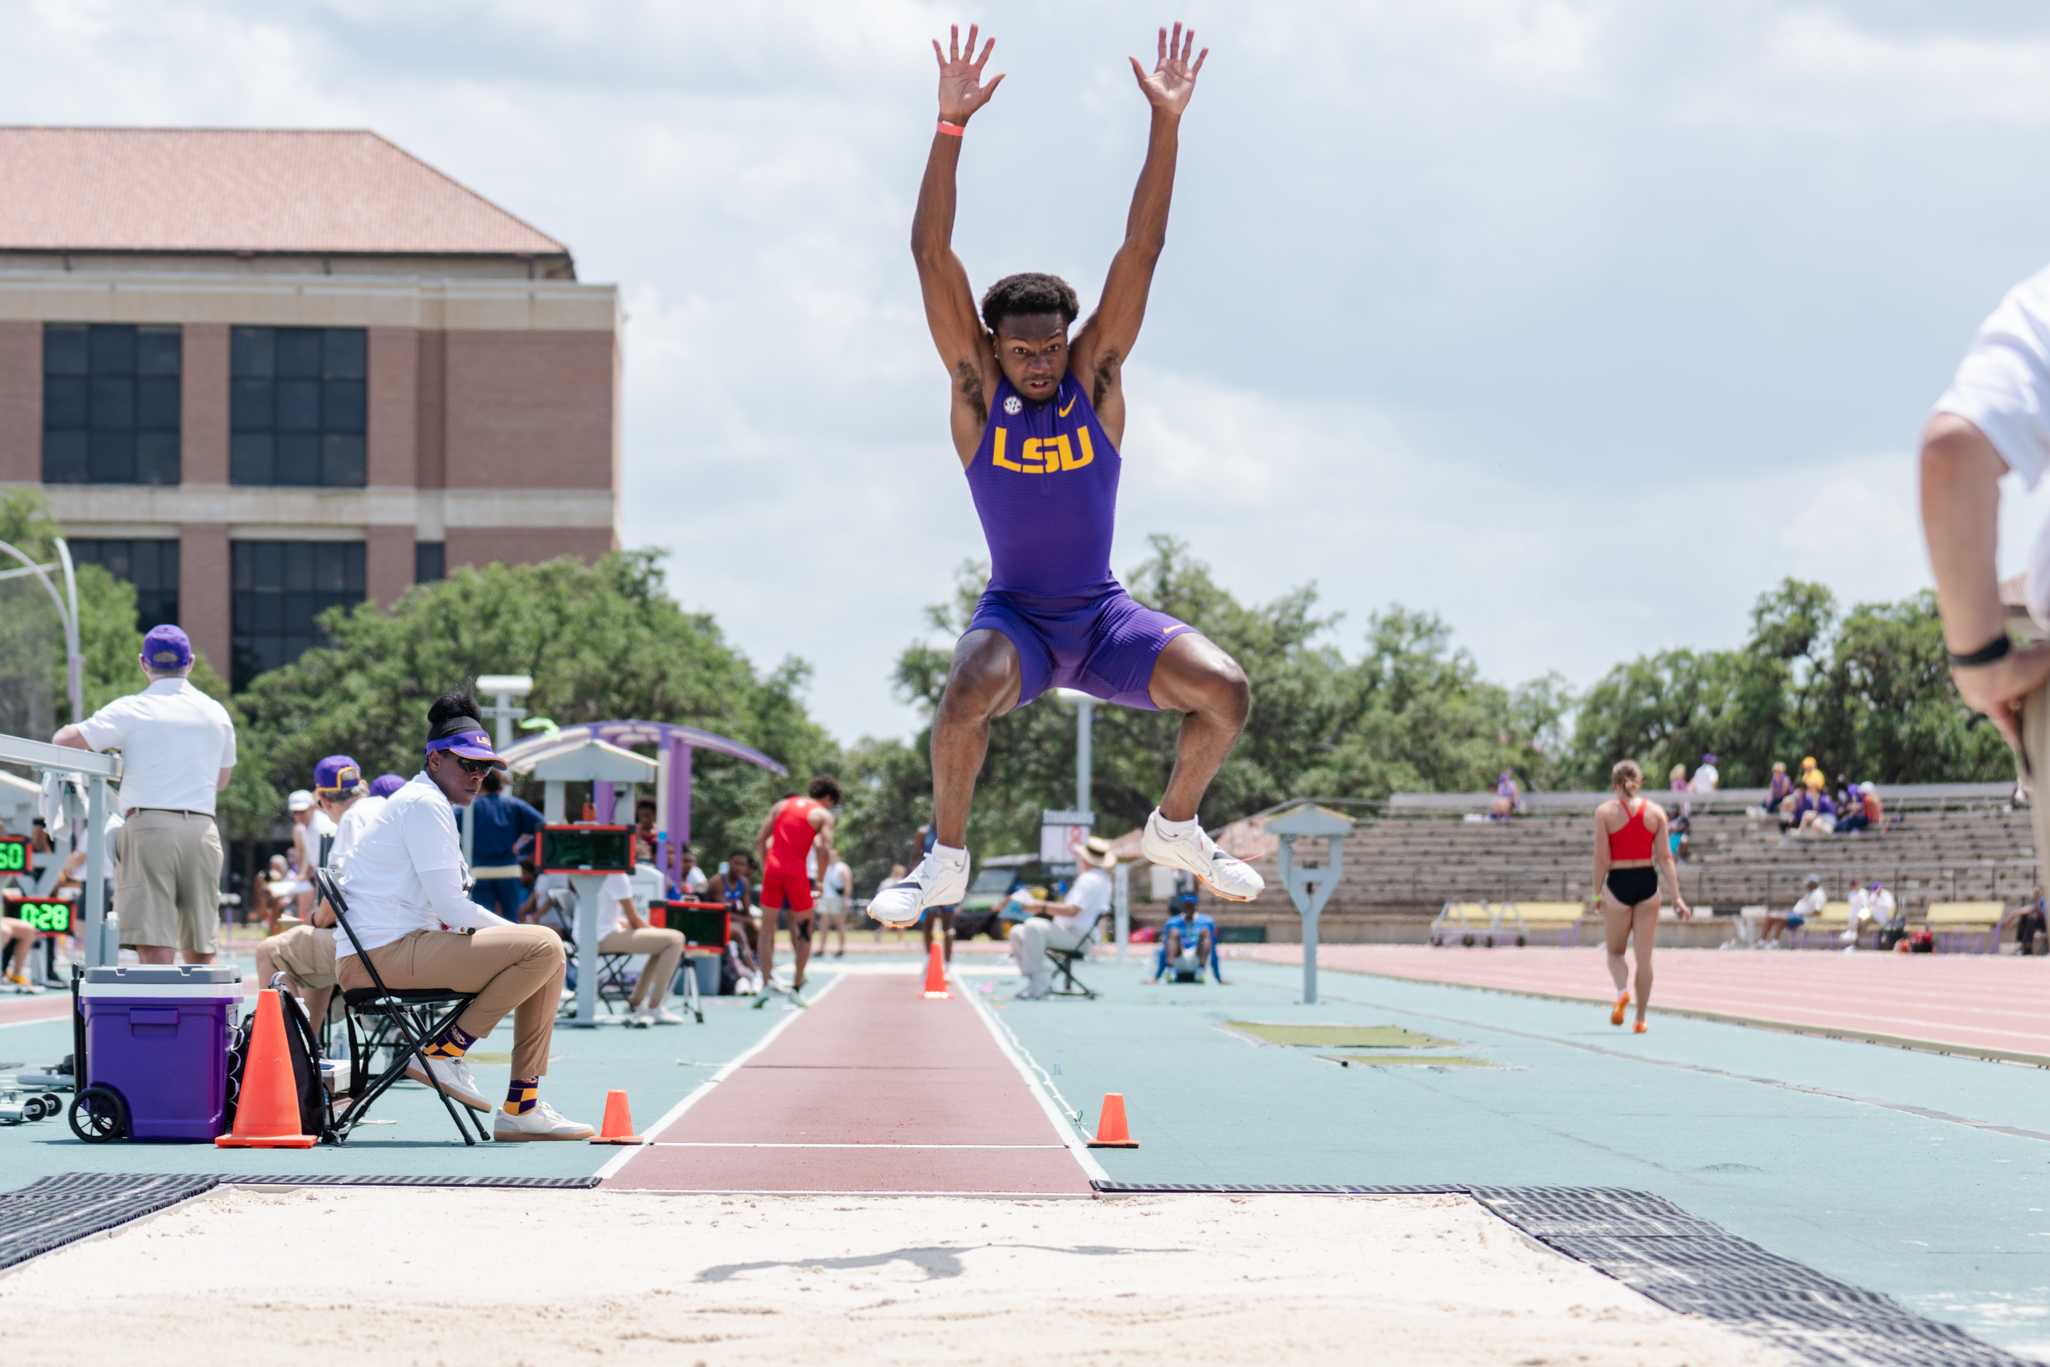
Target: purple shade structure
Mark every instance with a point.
(675, 746)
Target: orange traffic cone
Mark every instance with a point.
(618, 1125)
(267, 1116)
(1111, 1131)
(936, 974)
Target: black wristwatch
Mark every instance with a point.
(1993, 651)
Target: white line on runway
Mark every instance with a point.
(674, 1112)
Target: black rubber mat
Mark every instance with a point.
(1694, 1266)
(54, 1211)
(520, 1183)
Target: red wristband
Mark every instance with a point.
(952, 130)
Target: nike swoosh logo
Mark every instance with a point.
(1070, 407)
(899, 887)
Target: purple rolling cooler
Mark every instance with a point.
(159, 1036)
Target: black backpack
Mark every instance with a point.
(301, 1048)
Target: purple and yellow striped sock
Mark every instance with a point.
(453, 1042)
(523, 1095)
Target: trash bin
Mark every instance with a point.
(706, 966)
(159, 1034)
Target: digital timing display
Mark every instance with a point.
(16, 855)
(43, 913)
(702, 925)
(586, 849)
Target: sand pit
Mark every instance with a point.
(445, 1277)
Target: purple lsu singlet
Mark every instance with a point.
(1045, 484)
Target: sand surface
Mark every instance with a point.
(508, 1277)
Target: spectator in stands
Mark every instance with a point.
(2031, 931)
(691, 879)
(1776, 927)
(1780, 789)
(647, 840)
(503, 826)
(1707, 777)
(1814, 813)
(1811, 775)
(1508, 797)
(1875, 911)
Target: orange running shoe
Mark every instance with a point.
(1638, 1029)
(1622, 1003)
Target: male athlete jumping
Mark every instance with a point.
(782, 846)
(1037, 422)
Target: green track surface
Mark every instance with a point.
(1923, 1177)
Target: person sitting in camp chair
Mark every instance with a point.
(1064, 925)
(622, 930)
(408, 907)
(1187, 945)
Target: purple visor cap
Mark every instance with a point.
(384, 785)
(469, 745)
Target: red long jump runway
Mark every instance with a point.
(873, 1089)
(1972, 1003)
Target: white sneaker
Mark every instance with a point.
(1232, 879)
(640, 1018)
(1032, 992)
(455, 1078)
(662, 1015)
(543, 1122)
(1849, 937)
(934, 883)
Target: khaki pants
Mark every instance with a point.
(168, 895)
(514, 969)
(1031, 938)
(663, 948)
(306, 954)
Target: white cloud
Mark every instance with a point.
(1578, 322)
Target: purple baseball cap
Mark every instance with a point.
(384, 785)
(166, 648)
(335, 775)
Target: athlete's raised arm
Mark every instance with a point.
(1106, 339)
(949, 305)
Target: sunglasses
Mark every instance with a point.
(474, 766)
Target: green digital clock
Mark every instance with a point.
(51, 915)
(16, 855)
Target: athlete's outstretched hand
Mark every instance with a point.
(961, 89)
(1173, 78)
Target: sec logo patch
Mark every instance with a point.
(1014, 405)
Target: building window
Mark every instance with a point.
(110, 403)
(281, 587)
(152, 566)
(297, 411)
(430, 561)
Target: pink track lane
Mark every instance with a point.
(1971, 1001)
(920, 1088)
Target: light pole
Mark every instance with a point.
(505, 689)
(67, 613)
(1085, 718)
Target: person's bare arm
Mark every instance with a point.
(633, 914)
(70, 737)
(1961, 473)
(822, 822)
(762, 837)
(949, 304)
(1601, 855)
(1098, 357)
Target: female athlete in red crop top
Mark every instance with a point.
(1629, 834)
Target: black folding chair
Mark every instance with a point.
(400, 1022)
(560, 915)
(1065, 983)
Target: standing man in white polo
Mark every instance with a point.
(177, 751)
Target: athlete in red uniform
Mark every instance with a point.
(781, 847)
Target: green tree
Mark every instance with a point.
(601, 641)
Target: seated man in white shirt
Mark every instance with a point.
(623, 930)
(1811, 903)
(404, 882)
(1066, 924)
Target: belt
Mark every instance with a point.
(494, 870)
(174, 811)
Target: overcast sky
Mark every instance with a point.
(1580, 324)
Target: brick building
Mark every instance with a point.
(260, 373)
